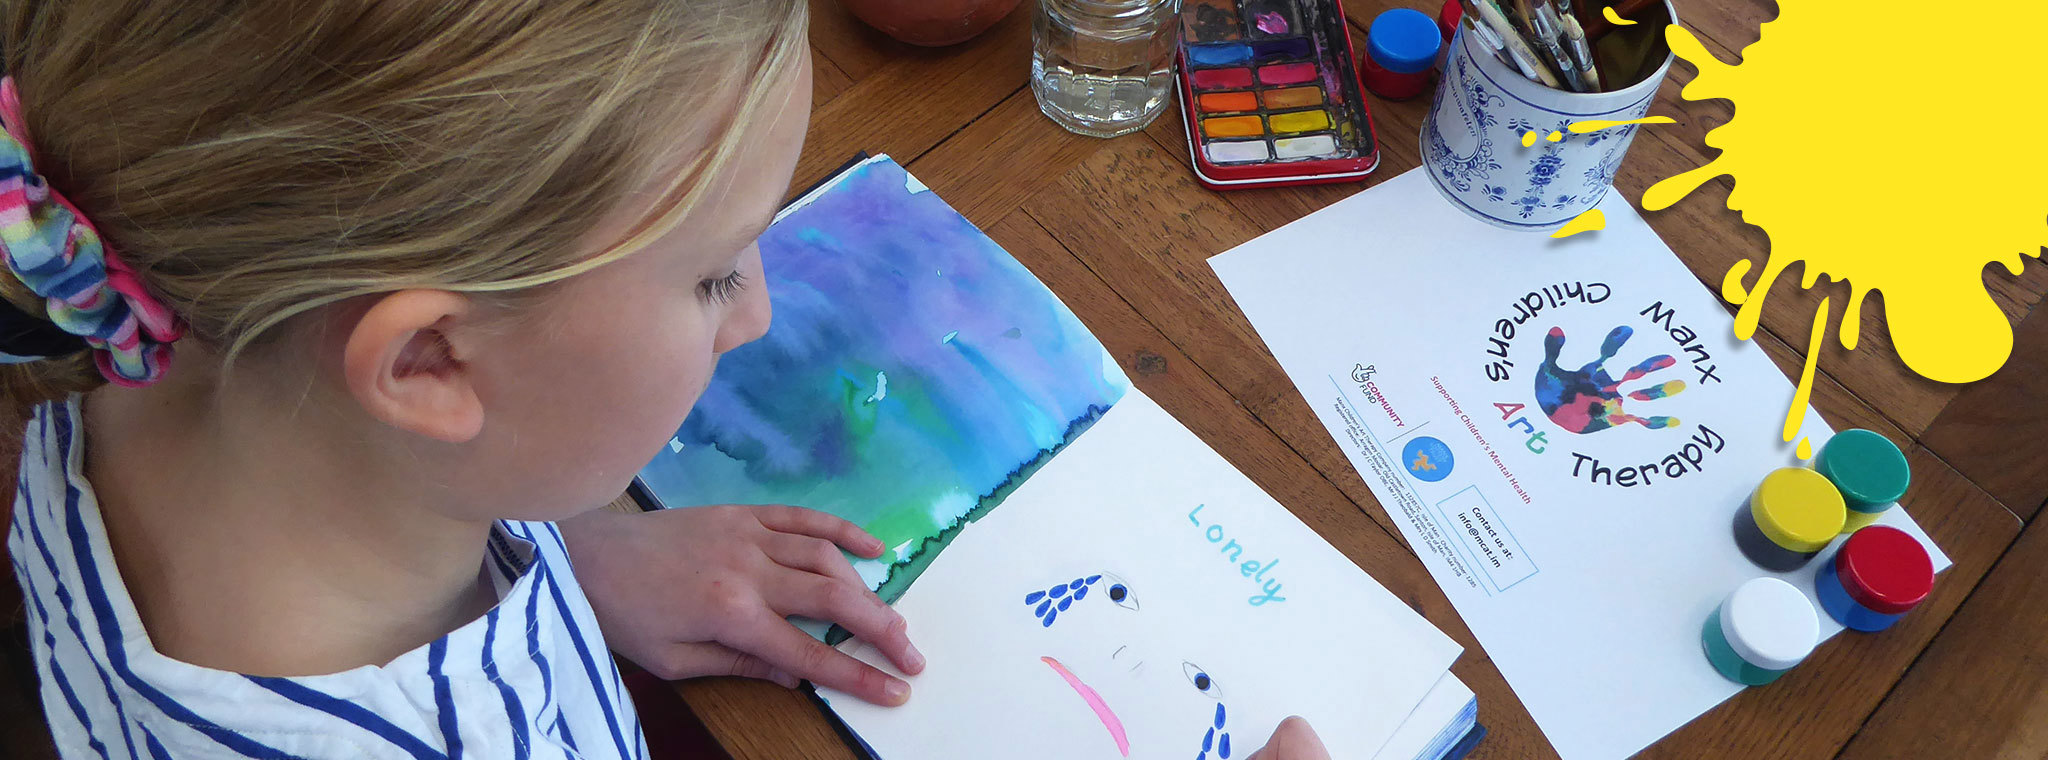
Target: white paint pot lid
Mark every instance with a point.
(1769, 623)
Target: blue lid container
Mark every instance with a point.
(1404, 41)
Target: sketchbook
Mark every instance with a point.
(1085, 577)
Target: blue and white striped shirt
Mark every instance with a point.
(531, 679)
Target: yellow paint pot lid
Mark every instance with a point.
(1798, 509)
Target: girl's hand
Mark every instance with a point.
(703, 591)
(1293, 740)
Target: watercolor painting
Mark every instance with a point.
(914, 375)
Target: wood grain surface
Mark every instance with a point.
(1120, 230)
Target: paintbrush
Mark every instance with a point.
(1517, 48)
(1581, 50)
(1546, 34)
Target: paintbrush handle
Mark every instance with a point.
(1517, 48)
(1583, 52)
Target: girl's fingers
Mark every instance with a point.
(708, 658)
(781, 645)
(852, 607)
(1292, 740)
(815, 555)
(810, 522)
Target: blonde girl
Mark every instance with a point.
(360, 296)
(337, 320)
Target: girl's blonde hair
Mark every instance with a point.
(256, 160)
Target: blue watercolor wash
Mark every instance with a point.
(1059, 590)
(1094, 578)
(1223, 748)
(1065, 603)
(1209, 740)
(1219, 714)
(1219, 54)
(783, 420)
(1077, 583)
(1049, 615)
(1033, 597)
(1042, 607)
(1083, 591)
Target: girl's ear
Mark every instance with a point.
(404, 363)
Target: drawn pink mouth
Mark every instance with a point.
(1094, 700)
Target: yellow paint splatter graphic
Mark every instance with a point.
(1582, 127)
(1529, 138)
(1805, 448)
(1592, 220)
(1615, 18)
(1917, 218)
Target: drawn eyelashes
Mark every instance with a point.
(1048, 604)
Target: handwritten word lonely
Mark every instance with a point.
(1232, 551)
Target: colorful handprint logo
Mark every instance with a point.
(1588, 400)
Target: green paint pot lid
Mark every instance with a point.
(1867, 467)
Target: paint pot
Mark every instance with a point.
(1868, 469)
(1880, 574)
(1791, 516)
(930, 23)
(1447, 28)
(1762, 630)
(1400, 51)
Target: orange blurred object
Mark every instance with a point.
(931, 23)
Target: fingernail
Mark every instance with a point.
(897, 691)
(874, 545)
(915, 659)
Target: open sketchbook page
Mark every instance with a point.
(914, 374)
(1455, 364)
(1139, 597)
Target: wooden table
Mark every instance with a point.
(1119, 229)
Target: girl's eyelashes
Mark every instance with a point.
(722, 290)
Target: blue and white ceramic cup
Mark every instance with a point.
(1472, 140)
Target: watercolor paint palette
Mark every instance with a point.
(1270, 95)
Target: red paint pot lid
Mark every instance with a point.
(1885, 569)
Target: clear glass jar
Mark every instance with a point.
(1103, 67)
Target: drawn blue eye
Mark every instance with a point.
(1206, 685)
(1118, 592)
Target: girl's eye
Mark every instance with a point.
(1203, 683)
(722, 290)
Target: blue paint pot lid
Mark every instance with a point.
(1769, 623)
(1404, 41)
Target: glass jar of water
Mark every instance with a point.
(1103, 67)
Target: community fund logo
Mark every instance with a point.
(1580, 402)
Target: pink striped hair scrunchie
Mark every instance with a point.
(56, 252)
